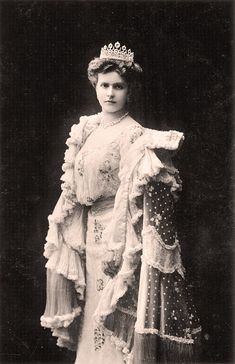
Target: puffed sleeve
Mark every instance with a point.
(64, 250)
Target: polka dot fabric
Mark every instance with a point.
(160, 211)
(169, 309)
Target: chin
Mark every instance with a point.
(111, 109)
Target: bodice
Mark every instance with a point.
(96, 164)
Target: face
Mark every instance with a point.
(111, 92)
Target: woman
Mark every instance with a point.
(115, 280)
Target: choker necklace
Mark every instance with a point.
(106, 124)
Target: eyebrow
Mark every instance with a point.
(115, 83)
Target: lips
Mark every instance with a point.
(110, 102)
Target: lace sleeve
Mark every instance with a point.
(165, 308)
(160, 212)
(65, 242)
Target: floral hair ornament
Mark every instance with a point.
(117, 51)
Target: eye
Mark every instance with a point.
(104, 85)
(119, 87)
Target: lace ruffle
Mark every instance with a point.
(60, 321)
(64, 221)
(120, 345)
(163, 336)
(169, 140)
(117, 287)
(68, 263)
(64, 248)
(74, 143)
(159, 255)
(151, 167)
(78, 134)
(137, 168)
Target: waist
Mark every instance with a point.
(101, 205)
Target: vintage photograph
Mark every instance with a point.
(116, 182)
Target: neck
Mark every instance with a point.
(111, 116)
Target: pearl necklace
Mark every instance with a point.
(105, 124)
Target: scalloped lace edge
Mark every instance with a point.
(60, 320)
(169, 337)
(120, 345)
(152, 230)
(176, 268)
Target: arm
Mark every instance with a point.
(64, 249)
(166, 316)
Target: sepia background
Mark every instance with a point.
(185, 49)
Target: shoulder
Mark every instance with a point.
(132, 130)
(83, 128)
(90, 120)
(164, 143)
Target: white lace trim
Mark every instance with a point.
(78, 134)
(164, 336)
(65, 344)
(150, 229)
(60, 320)
(136, 168)
(150, 166)
(159, 255)
(157, 139)
(120, 345)
(196, 330)
(135, 218)
(67, 262)
(160, 174)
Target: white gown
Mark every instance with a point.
(96, 280)
(106, 169)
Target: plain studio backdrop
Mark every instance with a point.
(185, 49)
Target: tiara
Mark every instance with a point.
(117, 52)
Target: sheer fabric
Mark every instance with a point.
(116, 290)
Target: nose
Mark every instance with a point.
(110, 91)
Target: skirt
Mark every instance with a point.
(94, 345)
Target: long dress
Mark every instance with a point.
(115, 286)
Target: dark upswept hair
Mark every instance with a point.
(129, 71)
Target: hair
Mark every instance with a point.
(129, 71)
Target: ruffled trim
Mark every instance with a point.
(67, 337)
(117, 287)
(136, 216)
(74, 143)
(152, 168)
(63, 343)
(68, 263)
(150, 230)
(137, 168)
(113, 291)
(168, 337)
(159, 255)
(78, 135)
(120, 345)
(60, 321)
(169, 140)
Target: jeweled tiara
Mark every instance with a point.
(117, 51)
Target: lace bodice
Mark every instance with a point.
(96, 165)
